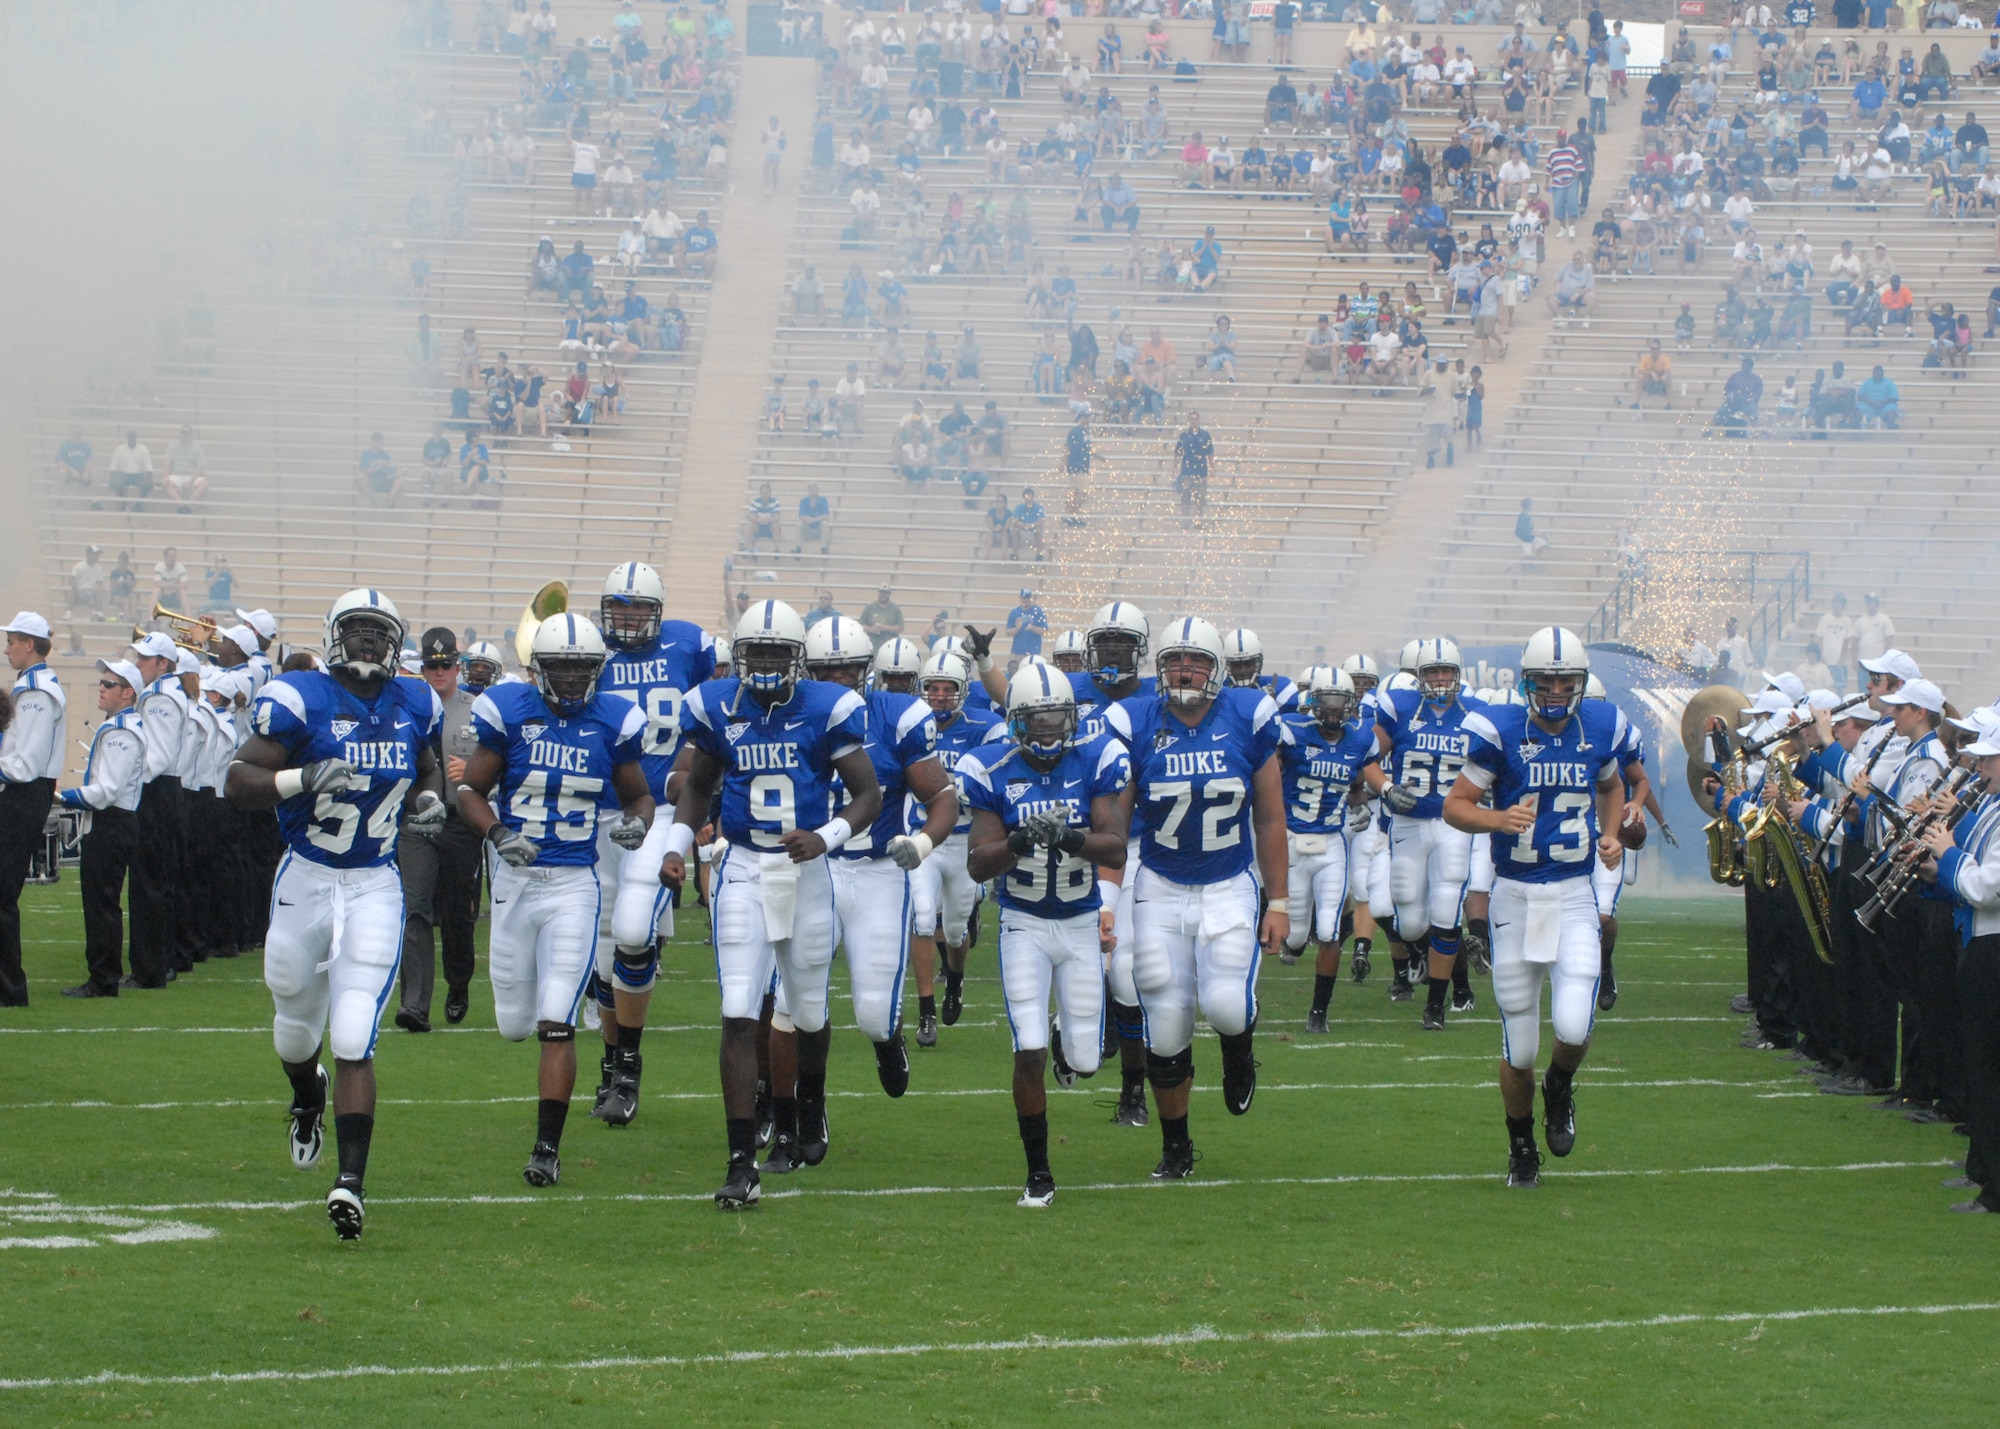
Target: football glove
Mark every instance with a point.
(1069, 839)
(629, 832)
(1021, 839)
(909, 850)
(1359, 816)
(426, 820)
(326, 776)
(1667, 832)
(514, 848)
(979, 643)
(1400, 799)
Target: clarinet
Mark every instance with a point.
(1900, 874)
(1846, 806)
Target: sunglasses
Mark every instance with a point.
(110, 684)
(444, 663)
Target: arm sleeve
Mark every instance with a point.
(1113, 772)
(1977, 882)
(280, 716)
(489, 725)
(625, 748)
(1485, 760)
(847, 726)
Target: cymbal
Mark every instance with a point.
(1724, 701)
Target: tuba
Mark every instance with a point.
(552, 599)
(1783, 858)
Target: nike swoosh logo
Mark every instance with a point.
(402, 724)
(1218, 738)
(794, 724)
(1071, 783)
(283, 904)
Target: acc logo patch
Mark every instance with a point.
(1018, 789)
(735, 732)
(1529, 748)
(533, 730)
(343, 727)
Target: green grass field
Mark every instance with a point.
(1723, 1245)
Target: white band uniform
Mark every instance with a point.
(543, 941)
(330, 957)
(1040, 955)
(1544, 930)
(1194, 944)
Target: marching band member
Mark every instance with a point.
(110, 791)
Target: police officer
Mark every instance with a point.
(110, 791)
(30, 760)
(157, 861)
(441, 874)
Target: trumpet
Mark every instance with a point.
(1901, 863)
(193, 633)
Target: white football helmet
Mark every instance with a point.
(1506, 697)
(721, 656)
(1401, 680)
(951, 645)
(1191, 635)
(567, 657)
(1408, 659)
(1069, 652)
(952, 676)
(1243, 653)
(769, 648)
(1440, 671)
(837, 641)
(1328, 696)
(1116, 642)
(481, 665)
(1555, 672)
(364, 634)
(897, 665)
(1363, 670)
(630, 606)
(1593, 689)
(1041, 712)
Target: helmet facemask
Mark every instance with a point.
(1043, 732)
(629, 622)
(1244, 672)
(567, 682)
(1113, 656)
(365, 643)
(1189, 677)
(1553, 695)
(767, 667)
(1441, 684)
(1331, 710)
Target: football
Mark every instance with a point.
(1632, 828)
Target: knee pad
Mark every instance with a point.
(555, 1034)
(600, 991)
(1166, 1073)
(1573, 1009)
(635, 968)
(1521, 1037)
(293, 1039)
(1119, 977)
(351, 1027)
(1129, 1021)
(1443, 944)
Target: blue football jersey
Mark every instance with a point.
(901, 731)
(1514, 758)
(657, 681)
(1049, 883)
(312, 716)
(778, 772)
(557, 782)
(1194, 784)
(1092, 702)
(1427, 745)
(1319, 771)
(969, 730)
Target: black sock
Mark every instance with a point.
(927, 1005)
(953, 979)
(607, 1065)
(1035, 1141)
(550, 1115)
(1461, 974)
(785, 1117)
(1173, 1132)
(1322, 990)
(628, 1037)
(1556, 1081)
(1434, 993)
(812, 1088)
(307, 1091)
(742, 1137)
(1521, 1129)
(351, 1133)
(1133, 1081)
(1403, 968)
(1364, 945)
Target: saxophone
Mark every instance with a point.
(1725, 855)
(1788, 857)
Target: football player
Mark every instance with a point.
(896, 668)
(1246, 669)
(653, 663)
(1607, 883)
(772, 742)
(871, 882)
(564, 755)
(1068, 652)
(347, 759)
(480, 666)
(1421, 737)
(942, 893)
(1322, 762)
(1552, 771)
(1204, 770)
(1367, 835)
(1046, 819)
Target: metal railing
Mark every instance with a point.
(1663, 589)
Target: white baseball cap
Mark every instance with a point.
(185, 663)
(261, 621)
(1893, 662)
(243, 637)
(1793, 687)
(1821, 700)
(157, 646)
(1986, 717)
(1986, 744)
(124, 670)
(28, 623)
(1921, 693)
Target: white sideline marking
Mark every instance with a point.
(1078, 1091)
(1014, 1187)
(1198, 1335)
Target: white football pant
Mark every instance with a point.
(1517, 982)
(636, 904)
(1194, 943)
(1429, 862)
(942, 893)
(871, 901)
(331, 955)
(1607, 883)
(1038, 955)
(544, 929)
(743, 908)
(1318, 888)
(1482, 877)
(1118, 967)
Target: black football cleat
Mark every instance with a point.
(457, 1002)
(411, 1020)
(620, 1102)
(1239, 1074)
(544, 1167)
(1524, 1165)
(814, 1134)
(607, 1065)
(892, 1064)
(1433, 1018)
(1131, 1107)
(1607, 991)
(1400, 990)
(764, 1114)
(345, 1207)
(927, 1029)
(1464, 1001)
(1176, 1163)
(1065, 1074)
(783, 1159)
(1039, 1192)
(741, 1189)
(1359, 966)
(954, 1002)
(1559, 1119)
(1316, 1020)
(307, 1137)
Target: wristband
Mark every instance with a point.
(835, 832)
(984, 664)
(680, 840)
(1107, 892)
(290, 783)
(924, 845)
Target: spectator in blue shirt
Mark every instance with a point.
(1879, 399)
(474, 465)
(1869, 94)
(1207, 258)
(814, 512)
(699, 246)
(1026, 622)
(1028, 516)
(823, 611)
